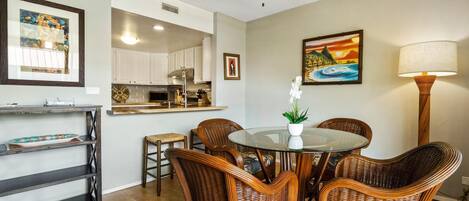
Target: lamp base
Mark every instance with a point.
(424, 84)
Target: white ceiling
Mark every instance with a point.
(173, 38)
(247, 10)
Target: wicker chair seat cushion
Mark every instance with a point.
(252, 164)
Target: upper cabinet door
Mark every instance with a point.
(171, 62)
(180, 59)
(189, 58)
(121, 67)
(198, 65)
(141, 68)
(131, 67)
(114, 66)
(159, 69)
(207, 59)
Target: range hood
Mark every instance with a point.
(178, 74)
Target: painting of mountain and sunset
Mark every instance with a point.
(333, 59)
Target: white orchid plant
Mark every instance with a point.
(295, 116)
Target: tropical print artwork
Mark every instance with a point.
(333, 59)
(44, 42)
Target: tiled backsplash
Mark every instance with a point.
(141, 93)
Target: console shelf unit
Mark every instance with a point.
(90, 171)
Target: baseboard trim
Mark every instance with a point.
(112, 190)
(444, 198)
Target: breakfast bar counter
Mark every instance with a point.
(138, 109)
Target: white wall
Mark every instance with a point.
(122, 136)
(189, 16)
(385, 101)
(97, 74)
(230, 37)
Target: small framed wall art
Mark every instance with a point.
(333, 59)
(41, 43)
(232, 67)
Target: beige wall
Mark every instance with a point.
(385, 101)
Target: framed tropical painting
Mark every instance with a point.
(333, 59)
(231, 66)
(41, 43)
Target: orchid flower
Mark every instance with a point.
(294, 116)
(295, 92)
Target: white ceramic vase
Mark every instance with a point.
(295, 142)
(295, 129)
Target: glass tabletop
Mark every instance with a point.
(311, 140)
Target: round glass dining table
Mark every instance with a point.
(312, 140)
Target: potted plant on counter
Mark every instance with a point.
(295, 116)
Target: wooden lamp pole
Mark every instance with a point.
(424, 83)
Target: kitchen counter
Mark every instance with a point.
(156, 109)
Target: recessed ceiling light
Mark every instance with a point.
(129, 40)
(158, 27)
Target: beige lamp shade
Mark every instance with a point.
(438, 58)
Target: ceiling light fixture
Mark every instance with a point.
(158, 27)
(129, 40)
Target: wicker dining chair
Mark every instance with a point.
(214, 135)
(349, 125)
(413, 176)
(208, 178)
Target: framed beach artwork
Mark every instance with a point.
(41, 43)
(231, 66)
(333, 59)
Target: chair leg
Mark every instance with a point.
(191, 141)
(171, 145)
(145, 162)
(158, 168)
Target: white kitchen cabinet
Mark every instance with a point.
(179, 59)
(131, 67)
(207, 59)
(189, 58)
(171, 62)
(121, 70)
(159, 69)
(141, 68)
(114, 66)
(198, 64)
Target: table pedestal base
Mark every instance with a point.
(304, 171)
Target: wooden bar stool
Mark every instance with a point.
(158, 140)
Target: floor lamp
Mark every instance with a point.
(424, 62)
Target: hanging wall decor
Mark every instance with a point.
(41, 43)
(231, 65)
(333, 59)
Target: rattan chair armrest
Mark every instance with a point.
(379, 193)
(285, 181)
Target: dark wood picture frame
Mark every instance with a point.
(238, 68)
(360, 59)
(4, 80)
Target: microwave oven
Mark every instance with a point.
(158, 96)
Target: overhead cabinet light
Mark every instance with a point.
(129, 40)
(158, 27)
